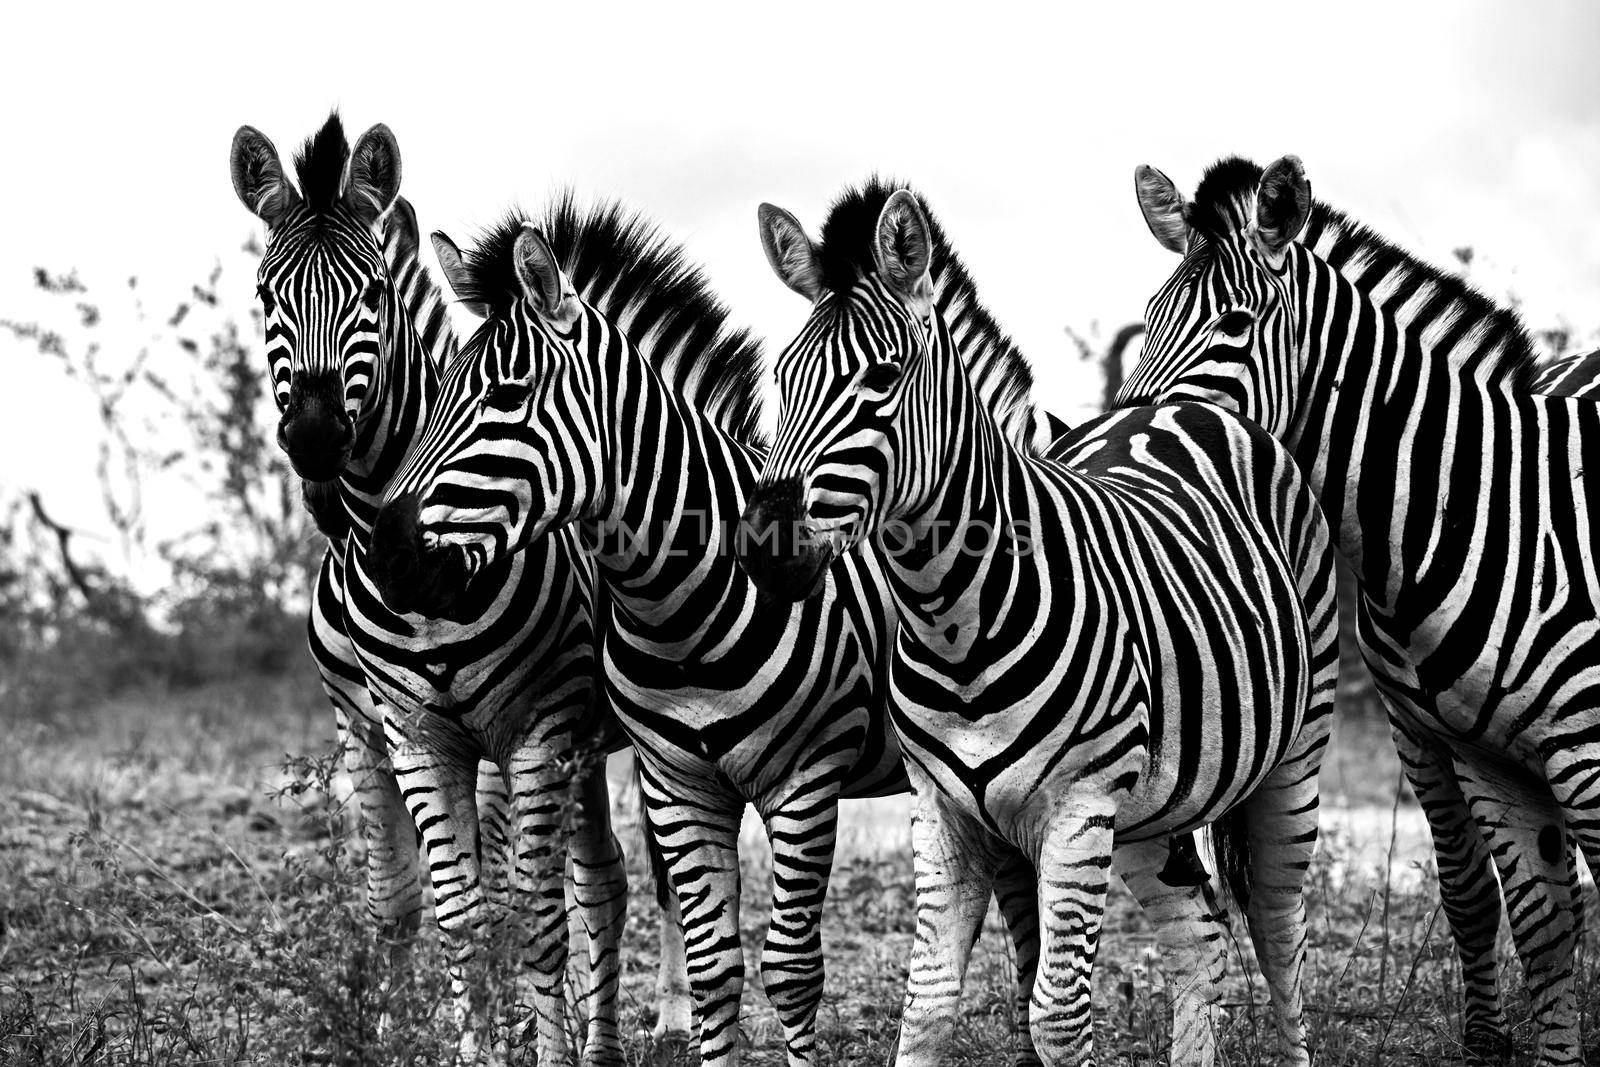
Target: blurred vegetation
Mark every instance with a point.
(217, 586)
(221, 589)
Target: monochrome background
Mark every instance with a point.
(1443, 125)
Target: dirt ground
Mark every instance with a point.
(178, 885)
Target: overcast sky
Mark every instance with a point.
(1441, 125)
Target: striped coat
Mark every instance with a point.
(511, 681)
(1456, 479)
(604, 393)
(1100, 651)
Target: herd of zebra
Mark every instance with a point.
(1075, 647)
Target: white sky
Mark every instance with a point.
(1441, 125)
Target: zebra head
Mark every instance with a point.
(324, 286)
(1222, 327)
(513, 447)
(858, 365)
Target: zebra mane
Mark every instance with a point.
(1224, 204)
(319, 166)
(997, 368)
(420, 296)
(624, 267)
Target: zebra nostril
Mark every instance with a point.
(411, 577)
(770, 541)
(396, 551)
(771, 517)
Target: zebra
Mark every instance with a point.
(552, 418)
(1101, 650)
(1454, 473)
(1576, 375)
(394, 893)
(509, 681)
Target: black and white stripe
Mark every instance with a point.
(355, 343)
(606, 393)
(1100, 652)
(1455, 473)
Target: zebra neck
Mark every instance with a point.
(674, 484)
(410, 381)
(998, 373)
(1398, 371)
(961, 515)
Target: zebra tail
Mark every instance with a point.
(1230, 851)
(660, 880)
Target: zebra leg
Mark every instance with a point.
(699, 842)
(1191, 927)
(1074, 871)
(540, 778)
(494, 842)
(674, 1008)
(1468, 889)
(803, 833)
(394, 889)
(1527, 835)
(1569, 771)
(600, 885)
(1281, 823)
(438, 783)
(1016, 890)
(955, 860)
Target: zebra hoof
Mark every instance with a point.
(667, 1045)
(1485, 1047)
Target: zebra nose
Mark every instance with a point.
(772, 517)
(769, 543)
(410, 576)
(396, 551)
(316, 432)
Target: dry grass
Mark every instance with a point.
(174, 889)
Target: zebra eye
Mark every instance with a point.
(508, 396)
(1235, 323)
(268, 302)
(880, 377)
(371, 295)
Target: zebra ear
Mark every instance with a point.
(258, 176)
(1283, 204)
(543, 283)
(374, 174)
(456, 273)
(790, 251)
(1163, 208)
(903, 247)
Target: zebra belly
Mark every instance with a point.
(1192, 753)
(1017, 795)
(1519, 695)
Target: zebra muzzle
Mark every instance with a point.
(773, 546)
(411, 577)
(316, 432)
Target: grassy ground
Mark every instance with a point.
(175, 889)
